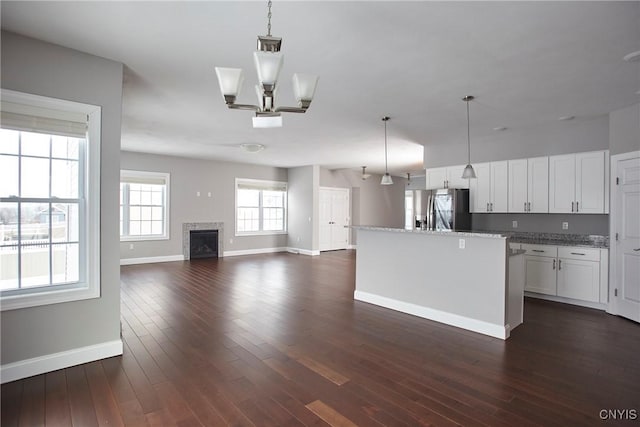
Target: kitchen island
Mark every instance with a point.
(462, 279)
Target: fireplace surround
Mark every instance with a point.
(187, 227)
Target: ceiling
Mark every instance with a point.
(527, 63)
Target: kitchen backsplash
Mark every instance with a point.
(542, 223)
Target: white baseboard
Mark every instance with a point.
(52, 362)
(303, 251)
(254, 251)
(352, 247)
(588, 304)
(497, 331)
(151, 259)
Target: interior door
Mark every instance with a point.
(625, 292)
(334, 218)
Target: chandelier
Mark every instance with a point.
(268, 61)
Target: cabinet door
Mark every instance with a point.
(579, 279)
(454, 177)
(499, 186)
(540, 274)
(480, 191)
(518, 185)
(436, 178)
(590, 182)
(538, 184)
(562, 187)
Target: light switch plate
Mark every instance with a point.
(462, 243)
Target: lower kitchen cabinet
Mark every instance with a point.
(575, 273)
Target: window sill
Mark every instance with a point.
(53, 296)
(261, 233)
(142, 238)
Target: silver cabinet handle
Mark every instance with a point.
(525, 206)
(491, 205)
(536, 250)
(636, 249)
(554, 264)
(487, 207)
(577, 253)
(572, 206)
(529, 204)
(577, 206)
(559, 264)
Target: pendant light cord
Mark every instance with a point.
(269, 19)
(386, 171)
(468, 137)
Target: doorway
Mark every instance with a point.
(334, 218)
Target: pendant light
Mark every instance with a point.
(386, 178)
(468, 170)
(365, 175)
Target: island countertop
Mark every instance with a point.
(434, 232)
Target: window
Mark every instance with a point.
(49, 201)
(260, 207)
(144, 205)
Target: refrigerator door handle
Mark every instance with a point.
(429, 212)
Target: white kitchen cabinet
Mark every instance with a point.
(529, 185)
(569, 272)
(577, 183)
(489, 190)
(446, 177)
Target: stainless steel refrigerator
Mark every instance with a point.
(444, 209)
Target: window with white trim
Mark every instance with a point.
(144, 205)
(261, 207)
(49, 201)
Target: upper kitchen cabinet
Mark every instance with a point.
(489, 189)
(446, 177)
(529, 185)
(578, 183)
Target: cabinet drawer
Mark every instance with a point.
(540, 250)
(584, 254)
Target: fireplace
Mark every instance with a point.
(203, 244)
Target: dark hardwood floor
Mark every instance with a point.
(277, 340)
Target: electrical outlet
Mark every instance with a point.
(231, 241)
(514, 224)
(209, 194)
(197, 194)
(565, 225)
(462, 243)
(130, 246)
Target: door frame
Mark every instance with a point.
(612, 305)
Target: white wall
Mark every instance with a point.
(32, 66)
(624, 130)
(188, 176)
(560, 137)
(303, 196)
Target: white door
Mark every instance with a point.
(540, 274)
(340, 218)
(538, 184)
(334, 218)
(436, 178)
(481, 187)
(625, 289)
(499, 186)
(579, 279)
(590, 182)
(518, 185)
(562, 187)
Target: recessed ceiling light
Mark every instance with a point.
(633, 56)
(500, 128)
(252, 148)
(565, 118)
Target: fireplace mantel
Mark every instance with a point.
(188, 226)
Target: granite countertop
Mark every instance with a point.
(580, 240)
(491, 235)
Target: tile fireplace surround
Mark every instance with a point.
(186, 238)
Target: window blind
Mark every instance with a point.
(261, 185)
(139, 177)
(28, 118)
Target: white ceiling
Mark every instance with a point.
(526, 62)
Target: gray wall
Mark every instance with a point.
(32, 66)
(303, 206)
(624, 130)
(548, 139)
(542, 223)
(371, 203)
(188, 176)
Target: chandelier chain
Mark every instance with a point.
(269, 18)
